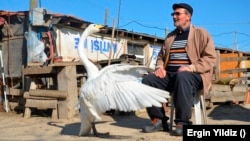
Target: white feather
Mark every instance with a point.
(114, 87)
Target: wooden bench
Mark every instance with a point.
(64, 78)
(42, 100)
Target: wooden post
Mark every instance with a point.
(33, 4)
(111, 44)
(66, 79)
(148, 57)
(48, 93)
(106, 17)
(217, 66)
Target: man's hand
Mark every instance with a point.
(185, 68)
(160, 72)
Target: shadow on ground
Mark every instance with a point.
(121, 120)
(129, 121)
(69, 129)
(227, 111)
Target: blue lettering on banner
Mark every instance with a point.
(97, 45)
(76, 42)
(156, 50)
(85, 44)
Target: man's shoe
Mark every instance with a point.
(179, 130)
(156, 125)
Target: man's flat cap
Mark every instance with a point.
(183, 5)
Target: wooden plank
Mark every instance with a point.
(240, 88)
(239, 78)
(14, 92)
(41, 104)
(238, 93)
(236, 70)
(27, 96)
(222, 88)
(62, 64)
(48, 93)
(216, 96)
(38, 70)
(234, 59)
(31, 64)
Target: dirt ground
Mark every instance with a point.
(40, 127)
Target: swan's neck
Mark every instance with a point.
(91, 68)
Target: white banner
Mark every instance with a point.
(95, 47)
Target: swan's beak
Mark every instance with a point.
(102, 27)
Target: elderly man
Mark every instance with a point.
(184, 66)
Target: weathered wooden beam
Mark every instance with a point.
(66, 79)
(236, 70)
(218, 96)
(41, 104)
(63, 64)
(234, 58)
(28, 96)
(240, 88)
(222, 88)
(14, 92)
(38, 70)
(48, 93)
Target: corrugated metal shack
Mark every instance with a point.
(14, 52)
(54, 83)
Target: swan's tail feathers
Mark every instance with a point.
(92, 109)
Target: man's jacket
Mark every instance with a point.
(201, 52)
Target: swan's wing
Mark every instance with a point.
(117, 87)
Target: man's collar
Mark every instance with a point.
(181, 31)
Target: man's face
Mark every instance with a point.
(181, 18)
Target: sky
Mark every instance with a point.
(227, 21)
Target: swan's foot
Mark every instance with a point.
(97, 134)
(102, 135)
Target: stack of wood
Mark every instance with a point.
(227, 93)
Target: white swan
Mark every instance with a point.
(113, 87)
